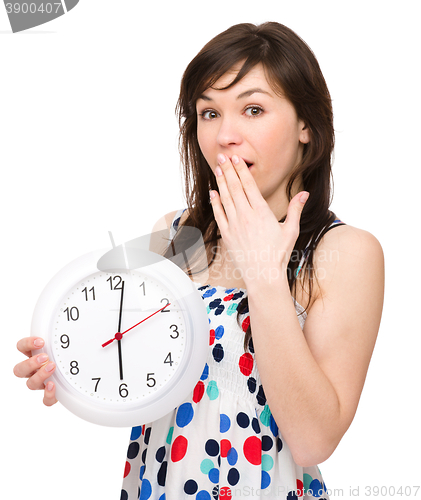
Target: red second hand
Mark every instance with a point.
(118, 335)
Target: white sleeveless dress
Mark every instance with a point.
(222, 442)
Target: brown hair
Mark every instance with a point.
(293, 71)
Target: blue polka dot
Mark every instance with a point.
(184, 414)
(205, 373)
(209, 293)
(232, 456)
(203, 495)
(316, 488)
(273, 426)
(136, 432)
(219, 332)
(146, 490)
(225, 423)
(214, 475)
(142, 471)
(265, 480)
(162, 497)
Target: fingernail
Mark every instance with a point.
(50, 367)
(221, 158)
(235, 159)
(38, 342)
(49, 386)
(304, 197)
(212, 195)
(218, 171)
(42, 358)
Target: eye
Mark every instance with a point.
(209, 114)
(254, 111)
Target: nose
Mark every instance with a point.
(229, 132)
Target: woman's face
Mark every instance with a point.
(253, 122)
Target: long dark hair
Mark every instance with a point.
(291, 69)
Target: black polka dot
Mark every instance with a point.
(233, 477)
(251, 384)
(133, 450)
(190, 487)
(160, 454)
(144, 455)
(212, 447)
(218, 353)
(124, 495)
(292, 496)
(215, 492)
(255, 425)
(267, 443)
(162, 474)
(279, 444)
(147, 435)
(251, 346)
(243, 420)
(261, 398)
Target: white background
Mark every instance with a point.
(89, 144)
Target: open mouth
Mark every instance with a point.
(248, 164)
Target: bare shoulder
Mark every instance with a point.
(347, 253)
(347, 260)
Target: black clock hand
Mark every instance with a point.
(120, 358)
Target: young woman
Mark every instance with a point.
(294, 296)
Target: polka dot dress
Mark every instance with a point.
(222, 442)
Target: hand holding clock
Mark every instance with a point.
(37, 369)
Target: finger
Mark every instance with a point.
(27, 368)
(224, 193)
(50, 394)
(219, 212)
(252, 192)
(237, 198)
(295, 209)
(27, 344)
(37, 381)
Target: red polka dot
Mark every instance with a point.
(225, 447)
(229, 297)
(245, 324)
(300, 488)
(127, 468)
(225, 493)
(253, 450)
(212, 337)
(198, 391)
(246, 364)
(179, 448)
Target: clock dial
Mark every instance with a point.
(114, 369)
(129, 344)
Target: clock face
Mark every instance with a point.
(117, 369)
(129, 344)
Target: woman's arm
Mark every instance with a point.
(313, 379)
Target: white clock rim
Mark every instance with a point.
(164, 399)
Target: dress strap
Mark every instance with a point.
(335, 223)
(175, 222)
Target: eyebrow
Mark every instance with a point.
(247, 93)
